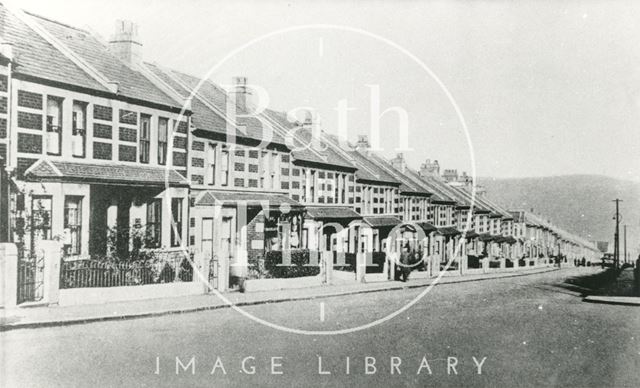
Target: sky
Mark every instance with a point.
(544, 87)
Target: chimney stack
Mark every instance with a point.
(363, 143)
(241, 94)
(399, 163)
(125, 42)
(429, 168)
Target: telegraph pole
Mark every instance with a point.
(625, 243)
(616, 236)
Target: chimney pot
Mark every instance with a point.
(241, 94)
(125, 42)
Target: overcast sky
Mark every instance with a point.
(546, 88)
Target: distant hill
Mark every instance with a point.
(581, 204)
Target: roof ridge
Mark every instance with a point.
(55, 21)
(41, 31)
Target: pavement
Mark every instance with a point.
(35, 317)
(525, 331)
(620, 291)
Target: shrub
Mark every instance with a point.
(378, 259)
(297, 268)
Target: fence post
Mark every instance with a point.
(464, 264)
(202, 265)
(327, 265)
(361, 266)
(52, 256)
(8, 275)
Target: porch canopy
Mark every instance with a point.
(448, 231)
(131, 175)
(510, 240)
(471, 234)
(427, 227)
(233, 199)
(486, 237)
(382, 221)
(332, 213)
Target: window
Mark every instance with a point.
(312, 187)
(145, 133)
(54, 125)
(73, 224)
(304, 185)
(154, 223)
(176, 222)
(211, 164)
(275, 171)
(225, 168)
(40, 218)
(79, 129)
(163, 134)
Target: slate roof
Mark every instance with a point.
(327, 153)
(37, 58)
(380, 221)
(131, 83)
(448, 231)
(370, 171)
(433, 186)
(332, 212)
(408, 185)
(274, 201)
(427, 227)
(134, 175)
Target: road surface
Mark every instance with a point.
(523, 331)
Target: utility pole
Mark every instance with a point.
(625, 243)
(616, 236)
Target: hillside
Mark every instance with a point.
(579, 203)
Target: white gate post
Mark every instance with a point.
(52, 256)
(327, 264)
(8, 275)
(361, 266)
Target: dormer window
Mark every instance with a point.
(54, 125)
(79, 129)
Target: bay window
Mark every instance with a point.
(176, 222)
(73, 224)
(154, 223)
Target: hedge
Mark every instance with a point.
(299, 258)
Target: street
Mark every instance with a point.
(522, 331)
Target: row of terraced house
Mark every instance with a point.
(117, 159)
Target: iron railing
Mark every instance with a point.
(97, 272)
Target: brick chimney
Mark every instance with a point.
(399, 163)
(125, 42)
(312, 124)
(363, 143)
(429, 168)
(450, 175)
(241, 94)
